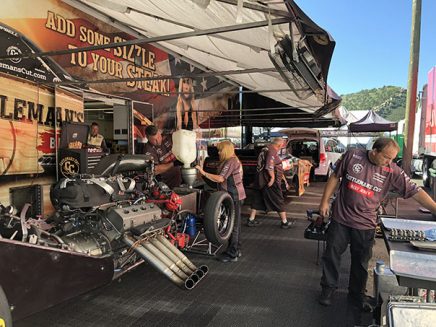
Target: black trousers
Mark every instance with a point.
(234, 242)
(361, 243)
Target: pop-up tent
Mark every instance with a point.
(271, 49)
(372, 122)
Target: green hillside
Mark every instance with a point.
(388, 101)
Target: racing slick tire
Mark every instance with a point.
(219, 217)
(5, 312)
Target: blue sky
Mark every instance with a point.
(373, 41)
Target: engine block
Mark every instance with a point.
(125, 218)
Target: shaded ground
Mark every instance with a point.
(275, 283)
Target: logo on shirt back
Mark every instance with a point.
(357, 168)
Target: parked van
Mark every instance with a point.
(306, 143)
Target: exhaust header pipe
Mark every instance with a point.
(167, 259)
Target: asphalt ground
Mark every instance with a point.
(274, 283)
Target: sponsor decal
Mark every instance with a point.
(357, 156)
(12, 51)
(357, 168)
(388, 169)
(379, 178)
(360, 189)
(363, 184)
(69, 166)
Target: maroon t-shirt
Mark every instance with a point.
(274, 163)
(163, 154)
(232, 173)
(363, 186)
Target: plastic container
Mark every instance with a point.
(184, 146)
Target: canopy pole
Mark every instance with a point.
(241, 144)
(409, 127)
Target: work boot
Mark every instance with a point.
(326, 296)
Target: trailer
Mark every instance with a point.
(427, 136)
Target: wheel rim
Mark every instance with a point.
(223, 219)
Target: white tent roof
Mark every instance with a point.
(221, 50)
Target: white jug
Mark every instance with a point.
(184, 146)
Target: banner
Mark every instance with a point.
(53, 25)
(27, 121)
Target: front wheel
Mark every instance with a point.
(5, 312)
(219, 217)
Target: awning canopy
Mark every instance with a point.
(372, 122)
(273, 48)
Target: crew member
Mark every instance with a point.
(95, 139)
(166, 165)
(229, 179)
(268, 195)
(364, 178)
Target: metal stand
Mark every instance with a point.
(391, 200)
(201, 245)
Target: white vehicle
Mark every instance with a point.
(333, 150)
(306, 143)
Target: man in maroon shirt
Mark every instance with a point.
(160, 148)
(364, 178)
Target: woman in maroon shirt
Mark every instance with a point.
(230, 180)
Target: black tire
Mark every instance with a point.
(425, 172)
(219, 217)
(5, 312)
(209, 170)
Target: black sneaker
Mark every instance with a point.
(226, 258)
(252, 223)
(289, 223)
(239, 254)
(326, 296)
